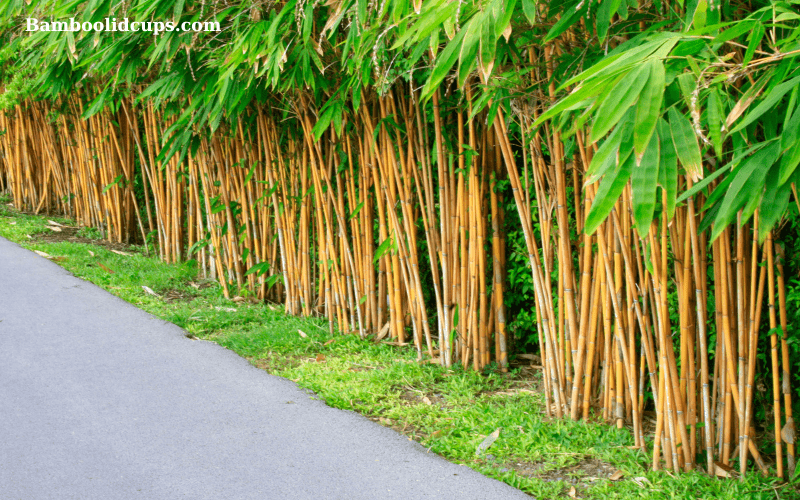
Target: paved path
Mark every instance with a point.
(99, 400)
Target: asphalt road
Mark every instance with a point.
(100, 400)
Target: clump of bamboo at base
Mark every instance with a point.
(378, 197)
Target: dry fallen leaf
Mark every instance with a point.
(486, 443)
(150, 291)
(54, 228)
(238, 299)
(226, 309)
(13, 223)
(105, 268)
(573, 493)
(426, 400)
(616, 476)
(54, 223)
(722, 470)
(384, 331)
(641, 481)
(42, 254)
(118, 252)
(331, 341)
(787, 433)
(437, 434)
(320, 358)
(302, 333)
(91, 253)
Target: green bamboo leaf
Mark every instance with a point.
(648, 109)
(789, 162)
(755, 39)
(686, 144)
(177, 12)
(607, 195)
(699, 16)
(717, 194)
(624, 94)
(257, 269)
(715, 121)
(576, 98)
(468, 54)
(644, 181)
(444, 63)
(605, 156)
(773, 205)
(570, 17)
(98, 103)
(356, 211)
(383, 248)
(529, 9)
(625, 59)
(668, 167)
(772, 98)
(605, 12)
(504, 10)
(426, 23)
(746, 184)
(488, 46)
(112, 184)
(735, 31)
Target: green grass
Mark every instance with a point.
(450, 412)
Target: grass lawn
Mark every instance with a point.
(454, 413)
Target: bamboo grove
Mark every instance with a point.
(387, 165)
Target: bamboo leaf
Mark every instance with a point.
(258, 269)
(747, 99)
(444, 63)
(648, 109)
(529, 9)
(735, 31)
(488, 46)
(625, 93)
(686, 145)
(773, 205)
(608, 154)
(755, 39)
(771, 99)
(570, 17)
(607, 194)
(356, 211)
(746, 184)
(715, 121)
(382, 249)
(789, 162)
(668, 167)
(717, 173)
(644, 181)
(577, 97)
(699, 15)
(605, 12)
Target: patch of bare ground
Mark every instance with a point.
(419, 397)
(61, 233)
(577, 477)
(272, 363)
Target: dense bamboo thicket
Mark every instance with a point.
(644, 193)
